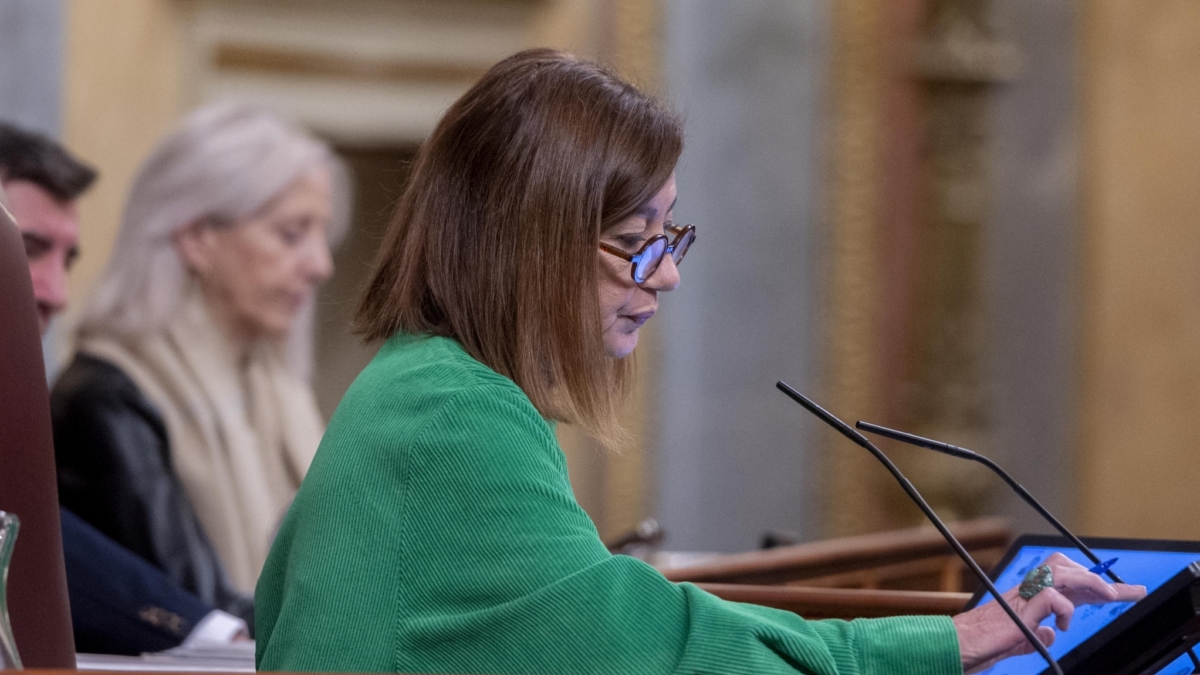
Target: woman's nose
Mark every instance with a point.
(320, 261)
(665, 278)
(49, 275)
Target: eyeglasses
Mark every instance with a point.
(646, 260)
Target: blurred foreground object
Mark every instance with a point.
(37, 594)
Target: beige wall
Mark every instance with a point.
(1140, 379)
(123, 88)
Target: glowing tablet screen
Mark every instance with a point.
(1150, 568)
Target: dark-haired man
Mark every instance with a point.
(43, 183)
(120, 603)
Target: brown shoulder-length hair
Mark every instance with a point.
(494, 241)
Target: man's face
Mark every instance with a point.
(50, 229)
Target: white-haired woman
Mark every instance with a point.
(184, 424)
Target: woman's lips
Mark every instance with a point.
(639, 319)
(294, 300)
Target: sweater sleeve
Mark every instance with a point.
(531, 586)
(456, 546)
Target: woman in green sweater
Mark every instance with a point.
(436, 531)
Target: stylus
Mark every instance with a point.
(1103, 567)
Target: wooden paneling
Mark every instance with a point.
(842, 603)
(823, 561)
(233, 56)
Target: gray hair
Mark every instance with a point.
(224, 163)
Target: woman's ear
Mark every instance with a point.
(196, 244)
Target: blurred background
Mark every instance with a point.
(971, 219)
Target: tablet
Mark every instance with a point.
(1150, 562)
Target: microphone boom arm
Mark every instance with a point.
(849, 432)
(963, 453)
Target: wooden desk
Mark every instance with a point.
(842, 603)
(916, 559)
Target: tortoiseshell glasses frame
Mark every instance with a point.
(650, 255)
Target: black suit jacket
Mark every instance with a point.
(114, 471)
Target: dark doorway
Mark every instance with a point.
(378, 175)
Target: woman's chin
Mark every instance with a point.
(268, 326)
(620, 345)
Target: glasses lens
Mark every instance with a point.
(685, 242)
(648, 262)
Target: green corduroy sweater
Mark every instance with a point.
(436, 532)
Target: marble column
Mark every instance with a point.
(31, 56)
(1033, 258)
(734, 455)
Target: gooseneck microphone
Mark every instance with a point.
(963, 453)
(847, 431)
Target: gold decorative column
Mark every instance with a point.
(852, 319)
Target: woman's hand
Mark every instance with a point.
(986, 634)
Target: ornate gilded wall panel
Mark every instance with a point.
(925, 366)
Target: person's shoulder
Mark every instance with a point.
(419, 380)
(423, 404)
(86, 373)
(103, 420)
(91, 382)
(433, 369)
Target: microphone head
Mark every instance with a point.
(825, 416)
